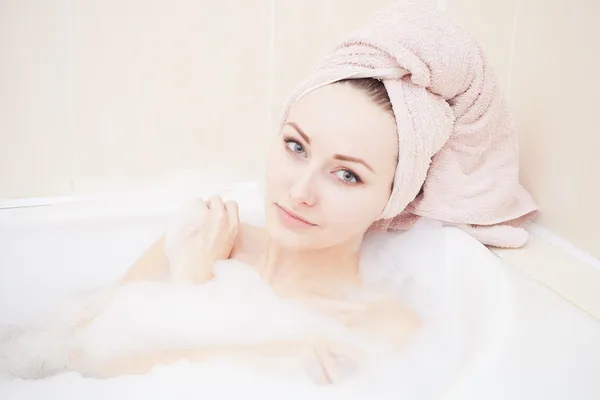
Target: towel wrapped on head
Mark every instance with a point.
(458, 157)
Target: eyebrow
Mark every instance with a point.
(340, 157)
(300, 131)
(353, 159)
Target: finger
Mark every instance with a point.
(200, 203)
(343, 353)
(314, 368)
(231, 208)
(326, 363)
(217, 209)
(215, 202)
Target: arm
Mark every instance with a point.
(324, 361)
(191, 259)
(183, 253)
(144, 363)
(151, 265)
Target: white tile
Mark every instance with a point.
(554, 96)
(559, 270)
(169, 89)
(35, 98)
(491, 23)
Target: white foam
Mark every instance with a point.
(424, 267)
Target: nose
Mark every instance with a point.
(302, 192)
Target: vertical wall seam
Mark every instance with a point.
(511, 54)
(271, 67)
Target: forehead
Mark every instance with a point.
(341, 119)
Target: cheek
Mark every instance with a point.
(279, 171)
(353, 213)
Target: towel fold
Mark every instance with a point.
(458, 155)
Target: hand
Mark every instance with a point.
(204, 233)
(328, 362)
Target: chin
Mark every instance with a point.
(289, 238)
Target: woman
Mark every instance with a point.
(403, 120)
(330, 175)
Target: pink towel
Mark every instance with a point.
(458, 156)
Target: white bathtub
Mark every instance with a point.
(48, 252)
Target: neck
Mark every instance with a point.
(340, 262)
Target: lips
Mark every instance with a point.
(291, 218)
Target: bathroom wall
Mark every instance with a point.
(106, 96)
(102, 96)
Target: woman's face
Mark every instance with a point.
(331, 169)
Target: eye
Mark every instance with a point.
(348, 177)
(295, 147)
